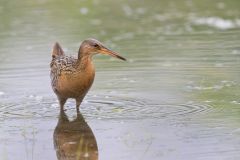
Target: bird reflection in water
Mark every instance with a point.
(74, 140)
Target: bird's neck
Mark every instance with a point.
(84, 59)
(85, 62)
(82, 52)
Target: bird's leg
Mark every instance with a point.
(62, 101)
(78, 102)
(80, 117)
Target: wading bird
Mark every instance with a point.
(72, 77)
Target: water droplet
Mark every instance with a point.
(72, 142)
(117, 110)
(235, 52)
(38, 98)
(84, 10)
(96, 22)
(85, 101)
(131, 60)
(127, 10)
(220, 5)
(86, 154)
(29, 47)
(54, 105)
(208, 101)
(219, 65)
(132, 81)
(216, 22)
(140, 10)
(235, 102)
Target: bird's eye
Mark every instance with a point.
(95, 45)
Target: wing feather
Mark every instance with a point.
(57, 50)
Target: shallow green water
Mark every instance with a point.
(177, 97)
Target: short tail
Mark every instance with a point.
(57, 50)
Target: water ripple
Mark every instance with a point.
(101, 108)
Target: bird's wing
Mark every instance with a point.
(57, 50)
(62, 64)
(66, 64)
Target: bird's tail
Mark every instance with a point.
(57, 50)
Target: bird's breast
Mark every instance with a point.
(76, 84)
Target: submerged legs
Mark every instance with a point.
(78, 102)
(62, 101)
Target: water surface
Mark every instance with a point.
(177, 97)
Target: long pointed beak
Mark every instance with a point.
(111, 53)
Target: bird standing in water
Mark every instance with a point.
(72, 77)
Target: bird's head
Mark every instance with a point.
(91, 47)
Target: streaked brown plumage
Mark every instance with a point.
(72, 77)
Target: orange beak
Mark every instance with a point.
(107, 51)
